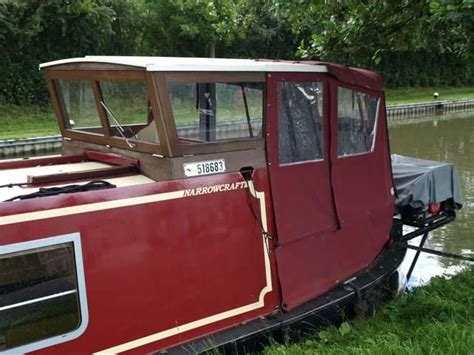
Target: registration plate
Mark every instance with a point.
(204, 167)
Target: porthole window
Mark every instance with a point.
(356, 122)
(42, 293)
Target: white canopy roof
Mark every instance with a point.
(195, 64)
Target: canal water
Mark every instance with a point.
(443, 138)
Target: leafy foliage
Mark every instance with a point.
(35, 31)
(420, 42)
(226, 28)
(411, 42)
(454, 19)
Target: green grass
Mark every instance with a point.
(27, 121)
(412, 95)
(435, 319)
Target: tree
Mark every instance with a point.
(418, 42)
(454, 19)
(35, 31)
(355, 32)
(190, 27)
(262, 34)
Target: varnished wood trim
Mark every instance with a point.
(152, 166)
(227, 146)
(102, 113)
(85, 174)
(118, 142)
(116, 75)
(58, 105)
(108, 158)
(149, 116)
(92, 66)
(234, 161)
(157, 114)
(165, 120)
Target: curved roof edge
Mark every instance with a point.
(365, 78)
(355, 76)
(349, 75)
(195, 64)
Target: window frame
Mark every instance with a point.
(105, 137)
(75, 239)
(378, 95)
(210, 77)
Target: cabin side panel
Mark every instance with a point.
(169, 260)
(360, 184)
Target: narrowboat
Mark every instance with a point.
(199, 202)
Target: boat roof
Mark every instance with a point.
(352, 76)
(195, 64)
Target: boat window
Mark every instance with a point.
(300, 121)
(357, 117)
(128, 109)
(206, 112)
(125, 105)
(39, 297)
(79, 103)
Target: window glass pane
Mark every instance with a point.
(79, 101)
(205, 112)
(38, 295)
(300, 121)
(125, 103)
(357, 117)
(129, 111)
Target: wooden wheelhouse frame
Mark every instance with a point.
(156, 84)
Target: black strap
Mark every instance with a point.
(247, 176)
(69, 189)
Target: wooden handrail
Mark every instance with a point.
(85, 174)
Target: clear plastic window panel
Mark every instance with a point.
(79, 101)
(38, 295)
(206, 112)
(300, 121)
(128, 109)
(357, 118)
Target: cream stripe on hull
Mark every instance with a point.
(134, 201)
(91, 207)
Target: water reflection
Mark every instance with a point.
(443, 138)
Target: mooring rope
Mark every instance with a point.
(439, 253)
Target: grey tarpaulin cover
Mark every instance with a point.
(419, 182)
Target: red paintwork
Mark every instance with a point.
(320, 246)
(145, 266)
(301, 191)
(364, 78)
(355, 76)
(152, 267)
